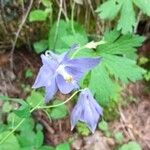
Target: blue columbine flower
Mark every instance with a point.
(86, 110)
(59, 72)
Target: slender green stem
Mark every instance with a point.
(37, 107)
(51, 106)
(77, 51)
(18, 125)
(72, 18)
(89, 46)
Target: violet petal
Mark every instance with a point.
(65, 87)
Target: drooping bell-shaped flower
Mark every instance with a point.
(86, 110)
(59, 72)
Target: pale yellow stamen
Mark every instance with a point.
(67, 77)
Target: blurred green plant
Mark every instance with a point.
(119, 137)
(39, 14)
(132, 145)
(82, 129)
(111, 9)
(63, 146)
(103, 126)
(28, 73)
(144, 61)
(58, 112)
(28, 136)
(25, 134)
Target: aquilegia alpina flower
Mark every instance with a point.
(59, 72)
(86, 110)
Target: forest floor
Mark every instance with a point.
(134, 120)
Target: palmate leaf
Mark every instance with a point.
(11, 142)
(102, 85)
(120, 45)
(116, 66)
(127, 19)
(122, 68)
(144, 5)
(125, 10)
(108, 10)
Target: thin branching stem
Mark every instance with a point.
(34, 108)
(57, 105)
(18, 125)
(57, 24)
(18, 32)
(72, 17)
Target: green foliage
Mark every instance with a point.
(147, 76)
(102, 85)
(31, 139)
(26, 88)
(40, 46)
(82, 129)
(61, 36)
(143, 5)
(46, 3)
(29, 136)
(111, 8)
(143, 60)
(122, 45)
(103, 126)
(63, 146)
(11, 143)
(7, 107)
(35, 98)
(110, 110)
(38, 15)
(126, 23)
(119, 137)
(116, 65)
(130, 146)
(28, 73)
(46, 148)
(24, 109)
(13, 120)
(123, 68)
(58, 112)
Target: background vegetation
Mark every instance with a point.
(116, 30)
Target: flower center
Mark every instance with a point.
(61, 70)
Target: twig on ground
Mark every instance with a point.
(58, 20)
(137, 22)
(91, 7)
(64, 10)
(126, 125)
(3, 82)
(18, 32)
